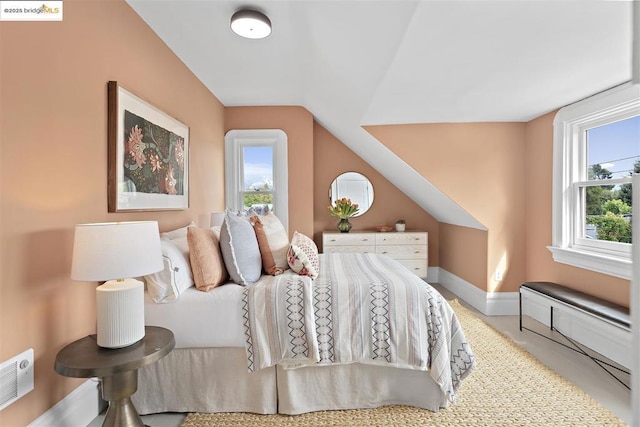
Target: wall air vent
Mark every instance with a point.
(16, 378)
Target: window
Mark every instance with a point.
(256, 171)
(596, 150)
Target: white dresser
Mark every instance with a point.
(410, 248)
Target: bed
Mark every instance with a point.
(364, 333)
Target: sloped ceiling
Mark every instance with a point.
(361, 62)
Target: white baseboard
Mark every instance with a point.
(488, 303)
(433, 274)
(78, 408)
(604, 337)
(503, 304)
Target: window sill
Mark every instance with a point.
(605, 264)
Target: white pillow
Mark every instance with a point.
(183, 244)
(240, 251)
(177, 233)
(169, 283)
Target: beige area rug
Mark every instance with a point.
(509, 387)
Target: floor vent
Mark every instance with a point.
(16, 378)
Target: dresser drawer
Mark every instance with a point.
(349, 239)
(403, 251)
(349, 249)
(416, 266)
(402, 238)
(408, 248)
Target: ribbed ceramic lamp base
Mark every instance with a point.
(120, 312)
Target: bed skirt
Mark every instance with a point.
(355, 386)
(205, 380)
(217, 380)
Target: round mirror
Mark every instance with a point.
(354, 186)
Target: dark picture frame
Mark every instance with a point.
(148, 155)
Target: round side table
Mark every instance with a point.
(117, 368)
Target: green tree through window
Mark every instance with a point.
(607, 209)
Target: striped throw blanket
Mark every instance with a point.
(364, 308)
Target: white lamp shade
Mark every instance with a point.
(116, 250)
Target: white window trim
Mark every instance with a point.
(234, 141)
(569, 124)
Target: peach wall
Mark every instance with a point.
(331, 158)
(540, 264)
(297, 123)
(464, 251)
(53, 174)
(480, 166)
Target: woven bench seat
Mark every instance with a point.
(598, 307)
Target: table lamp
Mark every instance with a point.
(117, 253)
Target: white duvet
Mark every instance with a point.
(201, 319)
(364, 308)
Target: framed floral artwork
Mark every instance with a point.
(148, 155)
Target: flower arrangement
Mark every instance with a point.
(343, 208)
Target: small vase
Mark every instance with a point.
(344, 225)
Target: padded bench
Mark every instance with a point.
(594, 306)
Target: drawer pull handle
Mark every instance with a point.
(333, 240)
(416, 252)
(384, 252)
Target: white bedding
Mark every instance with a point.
(216, 380)
(204, 319)
(207, 372)
(201, 319)
(363, 308)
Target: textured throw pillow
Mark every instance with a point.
(169, 283)
(206, 261)
(240, 251)
(303, 256)
(177, 233)
(273, 242)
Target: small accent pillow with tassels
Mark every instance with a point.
(303, 256)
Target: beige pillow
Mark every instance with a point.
(273, 242)
(207, 264)
(177, 233)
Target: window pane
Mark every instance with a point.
(607, 215)
(258, 178)
(258, 168)
(613, 150)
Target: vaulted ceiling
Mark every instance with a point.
(369, 62)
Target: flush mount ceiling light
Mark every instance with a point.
(250, 24)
